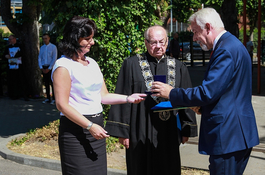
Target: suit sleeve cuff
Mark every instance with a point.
(172, 97)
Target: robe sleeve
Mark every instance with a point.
(118, 121)
(187, 116)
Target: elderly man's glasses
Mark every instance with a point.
(155, 43)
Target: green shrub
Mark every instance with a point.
(120, 24)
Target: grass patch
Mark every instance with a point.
(51, 131)
(47, 132)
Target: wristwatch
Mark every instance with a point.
(89, 125)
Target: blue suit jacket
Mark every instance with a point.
(228, 122)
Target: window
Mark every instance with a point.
(18, 11)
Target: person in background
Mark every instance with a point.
(228, 128)
(174, 49)
(79, 91)
(47, 58)
(13, 53)
(152, 138)
(168, 45)
(249, 46)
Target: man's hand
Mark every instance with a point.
(7, 56)
(124, 142)
(184, 139)
(161, 89)
(45, 71)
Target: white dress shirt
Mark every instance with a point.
(217, 38)
(47, 55)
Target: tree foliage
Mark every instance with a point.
(182, 10)
(252, 13)
(229, 10)
(120, 24)
(226, 8)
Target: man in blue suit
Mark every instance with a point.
(228, 127)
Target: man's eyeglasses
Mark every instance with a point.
(155, 43)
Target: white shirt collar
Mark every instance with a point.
(158, 60)
(217, 38)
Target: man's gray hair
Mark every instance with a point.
(146, 33)
(207, 15)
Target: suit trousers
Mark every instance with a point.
(15, 83)
(47, 82)
(229, 164)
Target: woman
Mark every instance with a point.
(80, 90)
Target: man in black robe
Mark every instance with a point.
(152, 139)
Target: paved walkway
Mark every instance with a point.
(18, 116)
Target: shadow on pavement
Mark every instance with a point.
(19, 116)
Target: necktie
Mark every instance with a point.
(211, 54)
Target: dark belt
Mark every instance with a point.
(93, 115)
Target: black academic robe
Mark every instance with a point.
(154, 144)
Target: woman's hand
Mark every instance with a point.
(113, 99)
(98, 132)
(196, 109)
(136, 98)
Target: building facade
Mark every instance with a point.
(16, 8)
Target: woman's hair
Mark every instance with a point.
(76, 28)
(207, 15)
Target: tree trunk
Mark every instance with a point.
(165, 20)
(229, 16)
(28, 34)
(30, 38)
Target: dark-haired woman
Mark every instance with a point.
(80, 90)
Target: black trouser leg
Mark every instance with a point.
(13, 83)
(47, 83)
